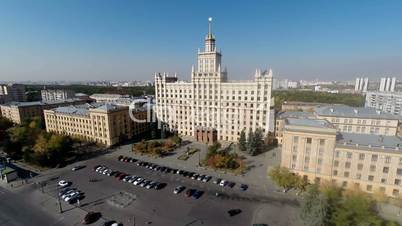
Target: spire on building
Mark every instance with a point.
(209, 39)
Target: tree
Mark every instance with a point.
(314, 207)
(257, 142)
(243, 141)
(283, 177)
(250, 144)
(356, 209)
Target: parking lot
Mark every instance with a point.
(163, 207)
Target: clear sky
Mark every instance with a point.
(130, 40)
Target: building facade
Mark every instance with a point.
(210, 102)
(18, 112)
(385, 101)
(56, 94)
(359, 120)
(106, 124)
(12, 92)
(316, 151)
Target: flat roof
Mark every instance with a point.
(354, 112)
(295, 114)
(35, 103)
(369, 140)
(317, 123)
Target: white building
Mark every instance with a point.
(389, 102)
(361, 84)
(387, 84)
(12, 92)
(211, 107)
(56, 94)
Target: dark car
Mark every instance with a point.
(243, 187)
(233, 212)
(108, 223)
(75, 168)
(123, 175)
(231, 184)
(91, 217)
(197, 194)
(120, 157)
(190, 192)
(159, 186)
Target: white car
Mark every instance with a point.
(72, 196)
(178, 189)
(63, 183)
(138, 181)
(222, 183)
(67, 194)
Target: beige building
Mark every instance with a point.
(281, 119)
(106, 124)
(211, 103)
(359, 120)
(315, 150)
(18, 112)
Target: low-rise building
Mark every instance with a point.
(282, 116)
(315, 150)
(300, 106)
(103, 123)
(56, 94)
(359, 119)
(18, 112)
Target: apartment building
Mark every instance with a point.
(56, 94)
(103, 123)
(12, 92)
(281, 119)
(210, 107)
(359, 120)
(18, 112)
(315, 150)
(389, 102)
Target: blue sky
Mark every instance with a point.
(130, 40)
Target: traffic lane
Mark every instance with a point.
(151, 203)
(16, 211)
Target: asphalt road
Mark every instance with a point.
(163, 207)
(16, 211)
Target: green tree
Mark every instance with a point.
(314, 207)
(356, 209)
(243, 141)
(283, 177)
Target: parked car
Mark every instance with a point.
(138, 181)
(72, 196)
(91, 217)
(64, 183)
(151, 185)
(159, 186)
(217, 181)
(197, 194)
(68, 193)
(206, 179)
(66, 190)
(120, 158)
(243, 187)
(144, 183)
(190, 192)
(178, 189)
(233, 212)
(231, 184)
(75, 168)
(223, 183)
(195, 176)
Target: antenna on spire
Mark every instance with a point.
(210, 25)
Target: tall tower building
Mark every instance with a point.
(210, 107)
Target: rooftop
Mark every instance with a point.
(317, 123)
(354, 112)
(295, 114)
(84, 109)
(369, 140)
(35, 103)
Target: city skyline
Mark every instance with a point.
(97, 40)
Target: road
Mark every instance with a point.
(16, 211)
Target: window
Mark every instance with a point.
(374, 158)
(369, 187)
(361, 156)
(385, 169)
(346, 174)
(397, 182)
(358, 176)
(335, 173)
(344, 184)
(383, 180)
(395, 192)
(347, 165)
(359, 166)
(349, 155)
(387, 159)
(372, 168)
(399, 171)
(322, 142)
(336, 163)
(308, 140)
(370, 178)
(337, 153)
